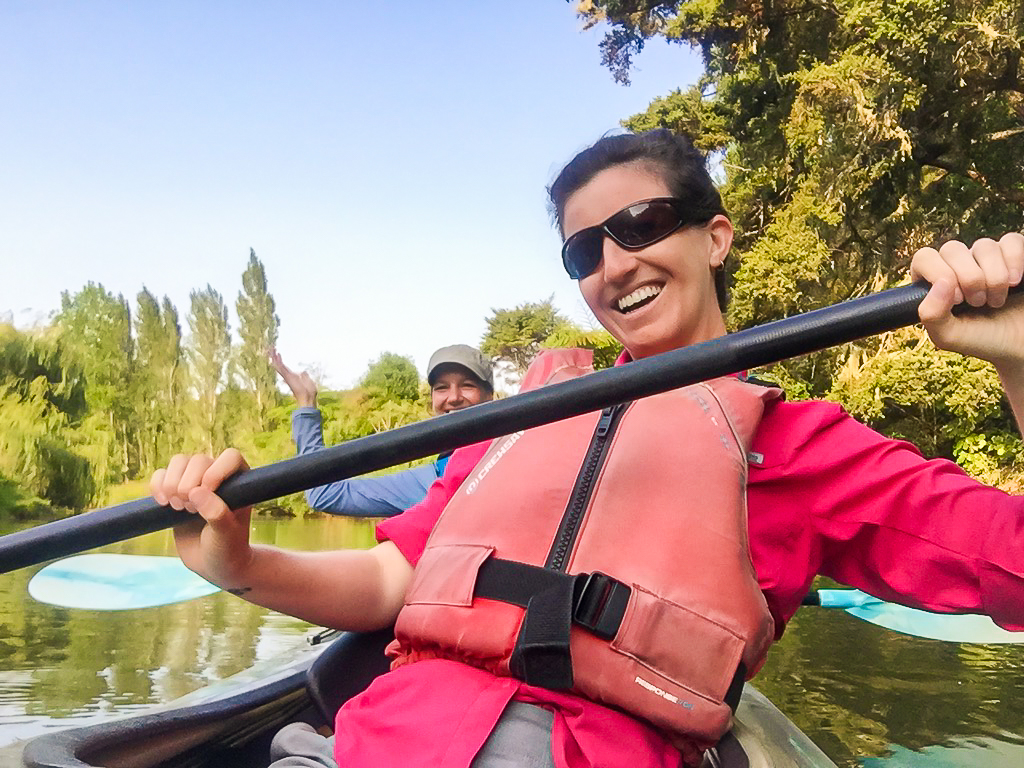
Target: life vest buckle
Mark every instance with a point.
(599, 603)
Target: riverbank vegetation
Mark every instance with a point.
(845, 137)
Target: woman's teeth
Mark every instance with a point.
(638, 297)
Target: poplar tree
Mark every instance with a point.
(257, 326)
(95, 326)
(158, 363)
(209, 350)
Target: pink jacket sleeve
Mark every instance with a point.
(833, 496)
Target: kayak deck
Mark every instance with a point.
(231, 723)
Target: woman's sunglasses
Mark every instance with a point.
(634, 227)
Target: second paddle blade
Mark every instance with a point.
(113, 582)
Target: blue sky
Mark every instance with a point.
(387, 161)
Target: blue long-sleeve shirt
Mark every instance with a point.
(381, 496)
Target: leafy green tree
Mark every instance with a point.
(257, 325)
(38, 362)
(852, 134)
(209, 348)
(849, 135)
(605, 346)
(34, 449)
(96, 329)
(42, 402)
(516, 335)
(940, 401)
(391, 378)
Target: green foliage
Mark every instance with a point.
(391, 378)
(42, 405)
(779, 276)
(159, 380)
(905, 119)
(34, 449)
(605, 346)
(96, 329)
(38, 363)
(17, 504)
(936, 400)
(393, 414)
(516, 335)
(209, 348)
(257, 326)
(850, 135)
(991, 457)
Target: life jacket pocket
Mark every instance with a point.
(446, 575)
(683, 653)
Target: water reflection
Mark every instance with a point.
(867, 696)
(65, 666)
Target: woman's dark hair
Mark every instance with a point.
(669, 155)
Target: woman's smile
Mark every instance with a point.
(636, 299)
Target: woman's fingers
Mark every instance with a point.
(1012, 246)
(928, 264)
(164, 483)
(980, 274)
(177, 484)
(191, 477)
(202, 493)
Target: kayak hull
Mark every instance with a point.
(232, 722)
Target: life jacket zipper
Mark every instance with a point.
(568, 529)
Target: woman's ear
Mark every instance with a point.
(720, 230)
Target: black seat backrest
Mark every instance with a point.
(347, 668)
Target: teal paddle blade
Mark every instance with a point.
(956, 628)
(113, 582)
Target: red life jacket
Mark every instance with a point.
(628, 581)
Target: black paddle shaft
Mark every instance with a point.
(765, 344)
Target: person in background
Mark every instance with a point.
(458, 375)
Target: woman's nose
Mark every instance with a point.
(616, 261)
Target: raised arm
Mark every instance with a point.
(301, 384)
(346, 589)
(979, 274)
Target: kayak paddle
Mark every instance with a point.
(952, 627)
(116, 582)
(750, 348)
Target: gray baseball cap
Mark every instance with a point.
(468, 357)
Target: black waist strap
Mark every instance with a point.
(554, 601)
(598, 601)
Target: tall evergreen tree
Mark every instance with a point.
(257, 326)
(209, 349)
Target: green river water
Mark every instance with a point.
(867, 696)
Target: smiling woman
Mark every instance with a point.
(548, 593)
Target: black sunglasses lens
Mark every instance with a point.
(644, 223)
(637, 226)
(582, 252)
